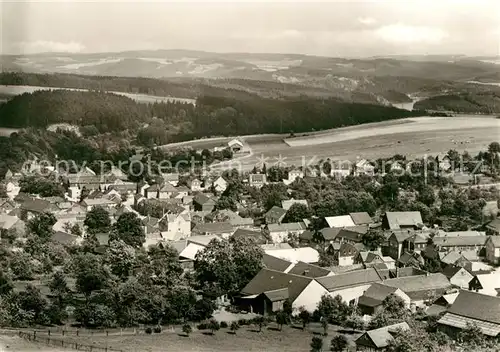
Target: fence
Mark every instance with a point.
(32, 336)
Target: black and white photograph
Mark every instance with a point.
(233, 176)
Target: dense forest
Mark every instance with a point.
(482, 103)
(210, 117)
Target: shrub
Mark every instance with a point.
(243, 322)
(223, 325)
(187, 329)
(157, 329)
(201, 326)
(149, 331)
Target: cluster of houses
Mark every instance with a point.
(186, 218)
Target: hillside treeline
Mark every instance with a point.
(210, 117)
(474, 103)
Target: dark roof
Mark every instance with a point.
(36, 205)
(380, 337)
(329, 234)
(202, 199)
(408, 271)
(361, 218)
(307, 235)
(375, 294)
(251, 234)
(349, 235)
(349, 279)
(477, 306)
(416, 287)
(277, 295)
(275, 212)
(403, 218)
(214, 227)
(460, 241)
(64, 238)
(450, 270)
(309, 270)
(275, 263)
(270, 280)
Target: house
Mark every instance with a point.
(455, 259)
(350, 285)
(293, 175)
(488, 283)
(493, 227)
(492, 246)
(347, 254)
(275, 263)
(473, 308)
(364, 167)
(361, 218)
(395, 247)
(371, 301)
(11, 223)
(269, 289)
(339, 221)
(410, 260)
(309, 270)
(379, 339)
(286, 204)
(89, 203)
(220, 184)
(421, 289)
(294, 255)
(275, 215)
(65, 239)
(231, 217)
(441, 305)
(34, 207)
(176, 224)
(235, 145)
(223, 229)
(6, 205)
(202, 202)
(340, 170)
(459, 243)
(444, 163)
(328, 235)
(458, 276)
(172, 178)
(253, 235)
(351, 235)
(281, 232)
(369, 258)
(195, 185)
(257, 180)
(398, 220)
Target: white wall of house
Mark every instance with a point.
(404, 297)
(492, 253)
(279, 236)
(351, 293)
(310, 297)
(180, 225)
(164, 195)
(346, 260)
(461, 279)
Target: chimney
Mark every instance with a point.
(306, 272)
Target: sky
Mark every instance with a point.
(328, 28)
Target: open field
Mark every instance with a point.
(13, 343)
(141, 98)
(246, 339)
(421, 136)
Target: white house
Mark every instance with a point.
(280, 232)
(340, 221)
(220, 184)
(364, 167)
(235, 145)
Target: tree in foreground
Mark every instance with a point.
(472, 335)
(97, 220)
(338, 344)
(324, 325)
(305, 317)
(187, 329)
(316, 344)
(353, 322)
(281, 319)
(128, 228)
(234, 327)
(213, 325)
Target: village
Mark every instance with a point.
(364, 259)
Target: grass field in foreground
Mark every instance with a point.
(246, 339)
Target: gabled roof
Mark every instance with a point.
(64, 238)
(304, 254)
(329, 234)
(349, 235)
(452, 257)
(459, 241)
(340, 221)
(214, 227)
(285, 227)
(349, 279)
(253, 235)
(495, 240)
(202, 199)
(190, 251)
(269, 280)
(274, 263)
(36, 205)
(477, 306)
(275, 212)
(234, 142)
(494, 225)
(7, 221)
(309, 270)
(375, 294)
(361, 218)
(450, 270)
(417, 286)
(277, 295)
(397, 219)
(382, 336)
(286, 204)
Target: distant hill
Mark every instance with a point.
(484, 103)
